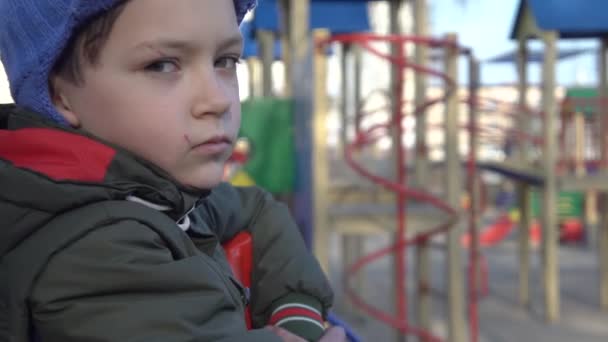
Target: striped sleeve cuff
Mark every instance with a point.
(299, 317)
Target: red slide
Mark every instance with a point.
(502, 227)
(492, 234)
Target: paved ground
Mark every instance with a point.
(501, 319)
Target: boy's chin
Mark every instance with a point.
(209, 180)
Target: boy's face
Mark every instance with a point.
(165, 87)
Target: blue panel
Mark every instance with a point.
(338, 16)
(250, 46)
(267, 16)
(571, 18)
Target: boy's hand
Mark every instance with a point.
(334, 334)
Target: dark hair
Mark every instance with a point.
(86, 44)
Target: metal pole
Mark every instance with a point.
(454, 190)
(395, 28)
(423, 266)
(321, 167)
(603, 66)
(592, 217)
(423, 300)
(353, 249)
(399, 263)
(254, 76)
(287, 44)
(299, 73)
(474, 83)
(346, 48)
(421, 57)
(357, 85)
(603, 255)
(579, 144)
(523, 120)
(266, 46)
(357, 244)
(523, 192)
(523, 189)
(603, 233)
(549, 215)
(352, 244)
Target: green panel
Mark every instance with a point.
(583, 93)
(268, 125)
(569, 204)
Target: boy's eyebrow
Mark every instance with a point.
(235, 40)
(171, 44)
(184, 45)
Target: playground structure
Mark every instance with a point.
(320, 179)
(538, 19)
(304, 41)
(370, 135)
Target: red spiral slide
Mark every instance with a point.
(494, 233)
(399, 186)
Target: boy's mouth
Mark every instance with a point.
(218, 144)
(218, 139)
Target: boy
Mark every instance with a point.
(111, 209)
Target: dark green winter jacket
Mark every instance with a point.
(96, 246)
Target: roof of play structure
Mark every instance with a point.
(571, 18)
(338, 16)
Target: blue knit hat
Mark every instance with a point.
(33, 34)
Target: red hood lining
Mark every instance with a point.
(59, 155)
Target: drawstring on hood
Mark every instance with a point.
(183, 223)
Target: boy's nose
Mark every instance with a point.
(211, 98)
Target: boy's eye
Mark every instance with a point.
(163, 66)
(228, 62)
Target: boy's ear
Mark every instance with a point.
(62, 102)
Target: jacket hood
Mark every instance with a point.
(47, 169)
